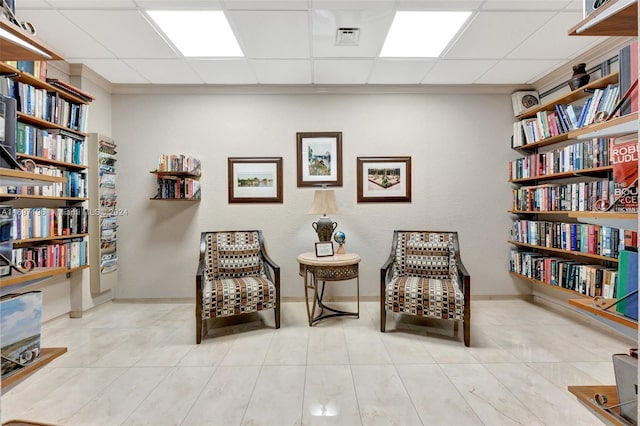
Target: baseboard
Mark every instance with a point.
(189, 300)
(527, 297)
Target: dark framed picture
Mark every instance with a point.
(324, 249)
(255, 179)
(384, 179)
(319, 158)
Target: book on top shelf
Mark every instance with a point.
(624, 156)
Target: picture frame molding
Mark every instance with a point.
(232, 193)
(300, 140)
(362, 198)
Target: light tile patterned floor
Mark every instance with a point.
(138, 364)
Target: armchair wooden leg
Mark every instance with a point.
(277, 316)
(198, 330)
(467, 330)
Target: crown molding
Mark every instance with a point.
(312, 89)
(84, 72)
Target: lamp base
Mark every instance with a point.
(324, 227)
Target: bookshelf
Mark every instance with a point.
(177, 178)
(558, 181)
(50, 144)
(614, 18)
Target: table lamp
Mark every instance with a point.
(324, 203)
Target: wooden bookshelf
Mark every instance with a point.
(46, 356)
(609, 314)
(162, 173)
(57, 237)
(13, 177)
(604, 215)
(617, 126)
(175, 199)
(570, 97)
(42, 160)
(562, 175)
(10, 50)
(543, 142)
(614, 18)
(586, 396)
(39, 122)
(570, 252)
(43, 197)
(36, 275)
(557, 287)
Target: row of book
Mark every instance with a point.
(578, 156)
(50, 144)
(579, 196)
(177, 187)
(74, 186)
(38, 69)
(589, 280)
(577, 237)
(49, 106)
(71, 253)
(178, 163)
(566, 118)
(44, 222)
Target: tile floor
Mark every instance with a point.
(138, 364)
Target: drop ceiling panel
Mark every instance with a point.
(90, 4)
(284, 71)
(341, 71)
(373, 24)
(525, 5)
(353, 4)
(269, 34)
(30, 4)
(551, 42)
(223, 71)
(439, 4)
(400, 71)
(576, 5)
(180, 4)
(165, 71)
(457, 71)
(126, 33)
(267, 4)
(115, 70)
(481, 40)
(517, 72)
(70, 43)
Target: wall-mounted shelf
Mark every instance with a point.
(17, 44)
(615, 18)
(617, 126)
(584, 172)
(46, 356)
(573, 253)
(12, 177)
(608, 317)
(586, 396)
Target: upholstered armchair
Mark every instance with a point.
(424, 276)
(235, 276)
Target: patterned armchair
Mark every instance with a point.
(235, 276)
(424, 276)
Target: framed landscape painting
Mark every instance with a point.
(384, 179)
(319, 158)
(255, 180)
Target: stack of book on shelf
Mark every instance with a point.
(575, 157)
(44, 222)
(577, 196)
(178, 163)
(624, 154)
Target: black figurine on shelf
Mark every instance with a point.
(579, 77)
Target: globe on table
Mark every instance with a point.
(339, 238)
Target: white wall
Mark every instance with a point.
(459, 146)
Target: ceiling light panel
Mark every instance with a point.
(198, 33)
(422, 34)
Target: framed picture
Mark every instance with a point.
(384, 179)
(255, 180)
(324, 249)
(319, 158)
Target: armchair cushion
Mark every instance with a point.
(426, 297)
(232, 296)
(233, 255)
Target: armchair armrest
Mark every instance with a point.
(385, 270)
(465, 278)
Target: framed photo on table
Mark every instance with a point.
(324, 248)
(319, 158)
(255, 179)
(384, 179)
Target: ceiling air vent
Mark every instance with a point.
(347, 36)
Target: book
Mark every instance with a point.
(628, 58)
(624, 157)
(627, 283)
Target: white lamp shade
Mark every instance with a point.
(324, 202)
